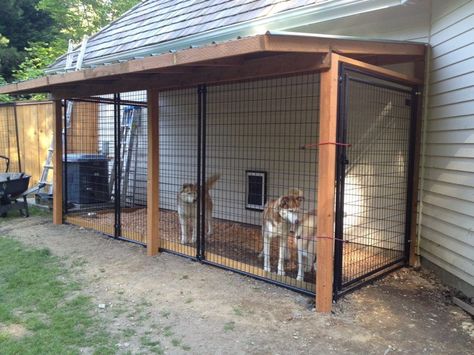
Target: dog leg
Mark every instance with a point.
(281, 256)
(209, 225)
(194, 226)
(299, 243)
(266, 252)
(184, 228)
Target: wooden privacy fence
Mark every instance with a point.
(26, 131)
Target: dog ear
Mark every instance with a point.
(284, 202)
(300, 198)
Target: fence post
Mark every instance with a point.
(153, 174)
(326, 189)
(58, 163)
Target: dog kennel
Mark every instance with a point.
(265, 117)
(261, 138)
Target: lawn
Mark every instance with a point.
(41, 309)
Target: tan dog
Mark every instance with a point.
(187, 204)
(280, 218)
(305, 237)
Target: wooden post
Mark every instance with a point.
(326, 189)
(153, 178)
(58, 163)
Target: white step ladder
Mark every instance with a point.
(128, 144)
(48, 165)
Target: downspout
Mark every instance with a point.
(424, 122)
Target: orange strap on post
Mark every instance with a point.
(312, 145)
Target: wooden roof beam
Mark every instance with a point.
(283, 64)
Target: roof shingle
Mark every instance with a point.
(154, 22)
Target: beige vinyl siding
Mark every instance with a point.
(447, 230)
(448, 190)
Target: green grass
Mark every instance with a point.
(33, 211)
(229, 326)
(57, 319)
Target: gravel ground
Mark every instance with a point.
(191, 308)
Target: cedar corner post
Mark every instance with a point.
(326, 186)
(153, 175)
(58, 163)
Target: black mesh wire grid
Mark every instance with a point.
(105, 164)
(373, 217)
(179, 152)
(260, 182)
(236, 189)
(9, 145)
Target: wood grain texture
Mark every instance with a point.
(153, 178)
(58, 164)
(326, 191)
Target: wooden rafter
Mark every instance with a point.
(231, 54)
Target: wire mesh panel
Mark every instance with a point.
(260, 186)
(372, 199)
(133, 165)
(89, 180)
(179, 160)
(9, 153)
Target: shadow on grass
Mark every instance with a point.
(33, 212)
(38, 298)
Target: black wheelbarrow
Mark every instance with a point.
(12, 192)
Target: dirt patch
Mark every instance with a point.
(181, 306)
(242, 243)
(16, 331)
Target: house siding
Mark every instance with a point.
(447, 224)
(447, 221)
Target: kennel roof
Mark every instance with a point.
(265, 55)
(157, 26)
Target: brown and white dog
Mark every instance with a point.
(305, 237)
(280, 218)
(187, 203)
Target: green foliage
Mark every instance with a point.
(40, 55)
(33, 33)
(3, 97)
(76, 18)
(21, 22)
(37, 297)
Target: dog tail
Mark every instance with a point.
(211, 181)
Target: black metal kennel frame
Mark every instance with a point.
(227, 130)
(374, 179)
(104, 165)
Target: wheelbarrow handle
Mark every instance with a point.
(8, 162)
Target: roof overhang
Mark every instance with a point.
(260, 56)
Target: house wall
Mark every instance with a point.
(447, 189)
(257, 125)
(447, 228)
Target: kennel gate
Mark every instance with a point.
(104, 165)
(375, 163)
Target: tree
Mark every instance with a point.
(28, 55)
(76, 18)
(21, 22)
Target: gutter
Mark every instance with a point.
(316, 13)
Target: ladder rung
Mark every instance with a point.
(47, 167)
